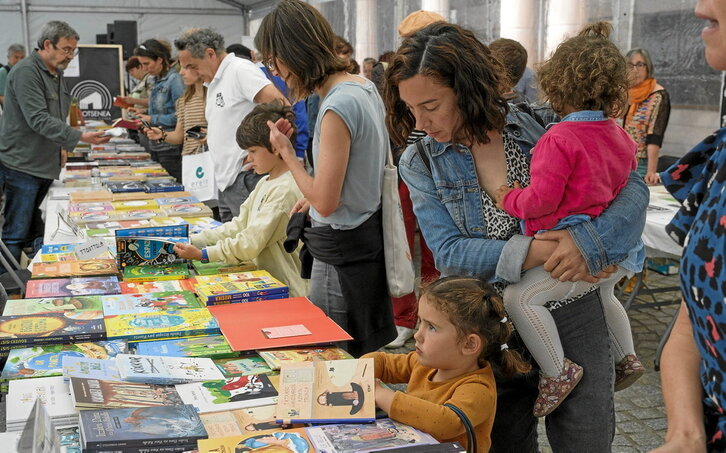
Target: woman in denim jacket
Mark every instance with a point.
(445, 82)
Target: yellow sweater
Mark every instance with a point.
(258, 232)
(422, 406)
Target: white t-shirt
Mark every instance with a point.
(230, 97)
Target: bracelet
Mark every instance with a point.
(163, 135)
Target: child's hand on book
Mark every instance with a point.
(187, 251)
(384, 396)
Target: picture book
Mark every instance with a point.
(125, 304)
(151, 369)
(15, 307)
(216, 268)
(90, 368)
(50, 328)
(96, 267)
(134, 204)
(187, 210)
(115, 225)
(242, 366)
(89, 393)
(141, 251)
(140, 427)
(199, 224)
(164, 186)
(132, 214)
(47, 360)
(229, 394)
(90, 206)
(129, 186)
(177, 200)
(239, 421)
(57, 248)
(334, 391)
(213, 346)
(66, 287)
(175, 271)
(352, 438)
(275, 358)
(256, 318)
(148, 326)
(289, 440)
(239, 287)
(168, 221)
(151, 287)
(90, 195)
(52, 391)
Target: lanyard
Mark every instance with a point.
(585, 115)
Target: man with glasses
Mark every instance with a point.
(34, 134)
(16, 52)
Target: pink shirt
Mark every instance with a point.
(577, 167)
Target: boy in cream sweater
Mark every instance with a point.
(259, 230)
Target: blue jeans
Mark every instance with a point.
(585, 421)
(23, 195)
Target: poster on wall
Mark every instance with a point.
(94, 78)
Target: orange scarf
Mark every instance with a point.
(638, 94)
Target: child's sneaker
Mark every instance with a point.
(554, 390)
(629, 370)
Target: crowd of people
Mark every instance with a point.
(529, 189)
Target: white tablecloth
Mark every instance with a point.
(661, 210)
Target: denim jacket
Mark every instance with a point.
(162, 100)
(447, 203)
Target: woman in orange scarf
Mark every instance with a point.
(647, 117)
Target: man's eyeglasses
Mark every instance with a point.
(638, 65)
(67, 50)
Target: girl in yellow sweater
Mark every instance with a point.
(463, 329)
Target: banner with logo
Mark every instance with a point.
(95, 78)
(198, 175)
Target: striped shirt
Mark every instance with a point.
(189, 114)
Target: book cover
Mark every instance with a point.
(57, 248)
(16, 307)
(216, 268)
(90, 368)
(229, 394)
(89, 206)
(66, 287)
(213, 346)
(366, 437)
(129, 186)
(141, 251)
(168, 231)
(336, 391)
(121, 122)
(134, 204)
(187, 210)
(147, 326)
(177, 200)
(89, 393)
(275, 358)
(256, 316)
(47, 360)
(133, 214)
(240, 421)
(166, 370)
(49, 328)
(118, 224)
(289, 440)
(95, 267)
(199, 224)
(231, 287)
(151, 287)
(164, 186)
(88, 217)
(167, 221)
(126, 304)
(175, 271)
(242, 366)
(52, 391)
(90, 195)
(140, 427)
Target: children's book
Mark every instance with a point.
(15, 307)
(90, 206)
(89, 393)
(175, 271)
(240, 421)
(164, 186)
(336, 391)
(199, 224)
(90, 368)
(143, 251)
(129, 186)
(352, 438)
(95, 267)
(123, 428)
(125, 304)
(187, 210)
(133, 214)
(242, 366)
(229, 394)
(52, 391)
(168, 221)
(151, 287)
(66, 287)
(275, 358)
(289, 440)
(115, 225)
(257, 322)
(151, 369)
(50, 328)
(212, 346)
(177, 200)
(91, 195)
(134, 204)
(148, 326)
(217, 268)
(230, 288)
(47, 360)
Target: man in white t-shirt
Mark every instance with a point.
(234, 86)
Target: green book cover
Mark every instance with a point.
(176, 271)
(213, 346)
(124, 304)
(243, 366)
(221, 268)
(15, 307)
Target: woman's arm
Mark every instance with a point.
(651, 174)
(682, 391)
(175, 137)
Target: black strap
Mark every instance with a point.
(470, 434)
(423, 154)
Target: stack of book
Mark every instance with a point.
(239, 287)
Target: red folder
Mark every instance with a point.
(242, 323)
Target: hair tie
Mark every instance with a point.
(504, 319)
(503, 346)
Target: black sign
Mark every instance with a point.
(97, 81)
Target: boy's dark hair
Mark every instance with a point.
(512, 55)
(132, 63)
(586, 72)
(253, 131)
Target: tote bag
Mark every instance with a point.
(399, 263)
(198, 175)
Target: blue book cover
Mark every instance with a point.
(130, 186)
(177, 200)
(147, 251)
(164, 186)
(213, 346)
(56, 248)
(87, 367)
(149, 369)
(129, 304)
(141, 426)
(50, 328)
(158, 231)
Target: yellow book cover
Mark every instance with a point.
(275, 358)
(240, 421)
(75, 268)
(146, 326)
(289, 440)
(134, 204)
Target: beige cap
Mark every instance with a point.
(418, 20)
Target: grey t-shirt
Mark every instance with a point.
(360, 106)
